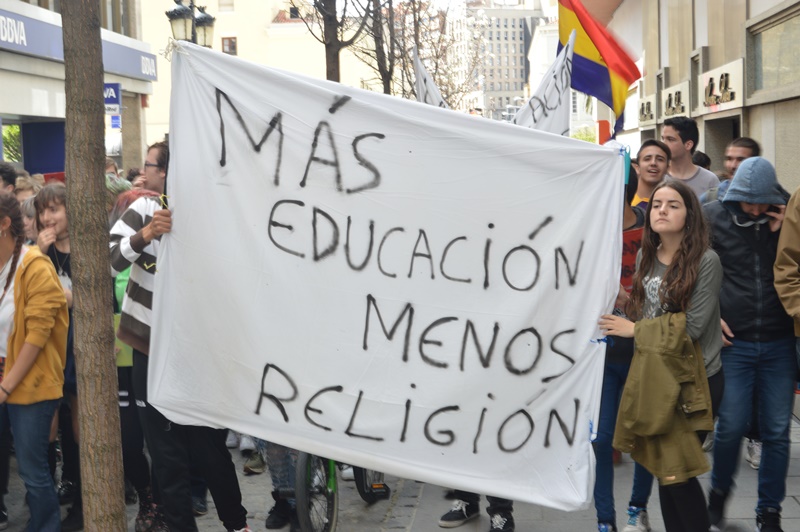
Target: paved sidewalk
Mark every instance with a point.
(416, 507)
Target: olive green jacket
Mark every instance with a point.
(665, 401)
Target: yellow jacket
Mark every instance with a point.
(665, 401)
(40, 318)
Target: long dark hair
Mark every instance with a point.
(9, 207)
(681, 275)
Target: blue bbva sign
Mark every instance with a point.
(112, 93)
(38, 38)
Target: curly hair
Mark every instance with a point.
(679, 279)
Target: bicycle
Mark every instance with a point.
(317, 491)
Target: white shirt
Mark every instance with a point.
(7, 304)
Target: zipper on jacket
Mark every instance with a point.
(759, 296)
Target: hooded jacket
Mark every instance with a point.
(747, 248)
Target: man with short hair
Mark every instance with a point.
(737, 151)
(8, 174)
(175, 449)
(759, 354)
(653, 159)
(681, 135)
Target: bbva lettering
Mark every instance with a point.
(12, 31)
(148, 66)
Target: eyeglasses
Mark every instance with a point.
(151, 165)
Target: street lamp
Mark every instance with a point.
(186, 26)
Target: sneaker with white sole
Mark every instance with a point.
(347, 472)
(246, 444)
(637, 520)
(754, 453)
(708, 443)
(460, 513)
(502, 522)
(606, 527)
(232, 440)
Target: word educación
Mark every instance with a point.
(512, 431)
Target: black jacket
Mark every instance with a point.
(749, 303)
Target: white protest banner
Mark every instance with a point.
(384, 283)
(549, 107)
(424, 86)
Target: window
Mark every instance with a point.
(773, 67)
(229, 45)
(508, 88)
(513, 22)
(226, 5)
(521, 36)
(505, 22)
(498, 35)
(491, 61)
(497, 23)
(491, 85)
(506, 35)
(574, 102)
(514, 60)
(513, 48)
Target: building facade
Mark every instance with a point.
(731, 65)
(32, 95)
(508, 31)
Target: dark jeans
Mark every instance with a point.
(5, 450)
(614, 377)
(134, 462)
(768, 370)
(31, 427)
(175, 449)
(497, 505)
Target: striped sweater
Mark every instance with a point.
(128, 248)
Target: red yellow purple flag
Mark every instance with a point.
(600, 67)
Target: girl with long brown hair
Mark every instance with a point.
(33, 338)
(677, 272)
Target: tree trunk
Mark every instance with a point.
(333, 44)
(100, 445)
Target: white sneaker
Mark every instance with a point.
(347, 473)
(232, 441)
(754, 453)
(246, 444)
(708, 444)
(637, 520)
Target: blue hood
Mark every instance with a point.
(755, 182)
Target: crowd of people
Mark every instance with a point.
(704, 332)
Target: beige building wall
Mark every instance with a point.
(651, 44)
(287, 46)
(725, 31)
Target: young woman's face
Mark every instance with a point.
(55, 216)
(668, 212)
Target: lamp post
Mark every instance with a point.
(186, 26)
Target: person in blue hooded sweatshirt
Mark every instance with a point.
(759, 353)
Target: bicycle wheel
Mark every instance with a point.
(370, 485)
(316, 493)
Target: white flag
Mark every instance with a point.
(427, 91)
(548, 109)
